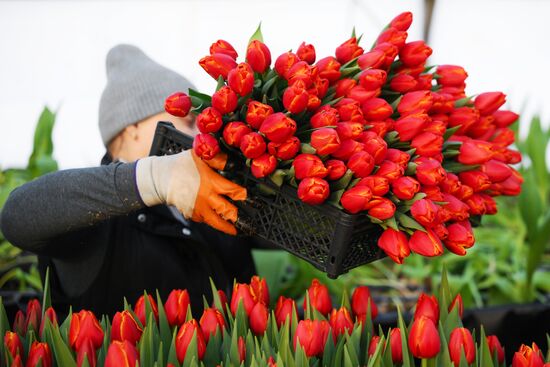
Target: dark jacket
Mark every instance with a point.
(101, 243)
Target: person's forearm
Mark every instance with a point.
(68, 200)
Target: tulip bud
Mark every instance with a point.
(459, 239)
(477, 180)
(395, 245)
(320, 87)
(329, 68)
(259, 289)
(490, 204)
(393, 36)
(426, 243)
(374, 145)
(258, 318)
(34, 314)
(263, 165)
(360, 300)
(125, 327)
(223, 299)
(19, 323)
(285, 150)
(451, 75)
(372, 59)
(465, 117)
(284, 62)
(475, 152)
(415, 102)
(257, 113)
(381, 208)
(424, 338)
(390, 170)
(348, 50)
(217, 65)
(300, 72)
(209, 120)
(405, 187)
(325, 141)
(319, 297)
(451, 184)
(379, 186)
(308, 165)
(278, 127)
(312, 336)
(187, 332)
(326, 116)
(503, 137)
(340, 322)
(88, 352)
(505, 118)
(223, 47)
(427, 144)
(356, 199)
(495, 348)
(178, 104)
(347, 149)
(210, 321)
(258, 56)
(306, 52)
(414, 53)
(396, 346)
(234, 131)
(424, 211)
(13, 344)
(51, 315)
(139, 309)
(283, 310)
(429, 171)
(343, 86)
(252, 145)
(350, 111)
(241, 79)
(398, 156)
(336, 169)
(460, 342)
(409, 126)
(443, 104)
(372, 79)
(39, 351)
(121, 354)
(390, 53)
(373, 345)
(313, 190)
(224, 100)
(454, 209)
(241, 348)
(376, 109)
(403, 83)
(176, 307)
(488, 103)
(361, 164)
(295, 98)
(85, 328)
(242, 292)
(205, 146)
(402, 22)
(476, 204)
(457, 302)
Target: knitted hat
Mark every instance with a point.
(136, 89)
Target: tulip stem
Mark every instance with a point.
(424, 362)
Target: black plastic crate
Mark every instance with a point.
(328, 238)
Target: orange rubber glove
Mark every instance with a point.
(188, 183)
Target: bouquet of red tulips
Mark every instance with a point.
(244, 331)
(376, 132)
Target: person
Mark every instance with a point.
(113, 231)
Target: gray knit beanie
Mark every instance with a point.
(136, 89)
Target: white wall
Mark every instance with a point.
(52, 52)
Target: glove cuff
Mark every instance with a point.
(148, 191)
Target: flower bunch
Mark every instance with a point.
(377, 132)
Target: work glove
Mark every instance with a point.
(190, 184)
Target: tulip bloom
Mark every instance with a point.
(139, 309)
(414, 53)
(241, 348)
(209, 120)
(223, 47)
(295, 98)
(300, 72)
(121, 354)
(390, 170)
(350, 111)
(409, 126)
(319, 296)
(429, 171)
(263, 165)
(312, 336)
(340, 322)
(252, 145)
(34, 315)
(278, 127)
(373, 345)
(372, 79)
(495, 348)
(13, 344)
(178, 104)
(343, 86)
(217, 65)
(465, 117)
(313, 190)
(427, 144)
(356, 199)
(396, 346)
(375, 146)
(461, 341)
(225, 100)
(348, 50)
(489, 102)
(210, 321)
(349, 130)
(234, 131)
(361, 164)
(398, 156)
(51, 315)
(381, 208)
(241, 79)
(242, 292)
(379, 186)
(176, 307)
(258, 56)
(459, 239)
(360, 301)
(125, 327)
(85, 327)
(39, 351)
(347, 149)
(308, 165)
(477, 180)
(283, 310)
(455, 209)
(325, 140)
(393, 36)
(326, 116)
(329, 68)
(258, 318)
(17, 362)
(257, 113)
(376, 109)
(259, 289)
(504, 118)
(457, 302)
(415, 102)
(395, 244)
(424, 211)
(372, 59)
(403, 83)
(285, 150)
(427, 306)
(19, 323)
(528, 357)
(451, 75)
(205, 146)
(336, 169)
(426, 243)
(403, 21)
(88, 352)
(405, 187)
(424, 338)
(306, 52)
(284, 62)
(187, 332)
(390, 53)
(451, 184)
(475, 152)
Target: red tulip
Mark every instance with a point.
(329, 68)
(372, 59)
(295, 98)
(209, 120)
(398, 156)
(427, 144)
(326, 116)
(424, 211)
(257, 113)
(379, 186)
(405, 187)
(242, 292)
(361, 164)
(372, 79)
(423, 338)
(223, 299)
(528, 357)
(285, 150)
(451, 184)
(284, 62)
(395, 244)
(313, 190)
(13, 344)
(306, 52)
(350, 110)
(34, 315)
(409, 126)
(19, 323)
(320, 87)
(443, 104)
(475, 152)
(414, 53)
(17, 362)
(252, 145)
(300, 72)
(349, 130)
(259, 289)
(336, 169)
(241, 79)
(459, 239)
(381, 208)
(402, 22)
(39, 352)
(374, 145)
(504, 118)
(451, 75)
(176, 307)
(427, 306)
(343, 86)
(258, 56)
(393, 36)
(234, 131)
(477, 180)
(465, 117)
(433, 193)
(88, 352)
(429, 171)
(360, 300)
(454, 209)
(403, 83)
(457, 302)
(390, 170)
(210, 321)
(415, 102)
(178, 104)
(376, 109)
(187, 332)
(217, 65)
(312, 336)
(51, 315)
(139, 309)
(278, 127)
(461, 342)
(347, 149)
(503, 137)
(396, 346)
(325, 140)
(356, 199)
(489, 204)
(495, 348)
(511, 186)
(340, 322)
(122, 354)
(308, 165)
(373, 345)
(426, 243)
(348, 50)
(390, 53)
(489, 102)
(224, 100)
(205, 146)
(241, 348)
(283, 310)
(263, 165)
(223, 47)
(258, 318)
(476, 204)
(125, 327)
(319, 296)
(85, 328)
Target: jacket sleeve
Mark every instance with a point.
(66, 201)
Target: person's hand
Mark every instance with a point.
(188, 183)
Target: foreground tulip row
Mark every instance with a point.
(377, 132)
(245, 332)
